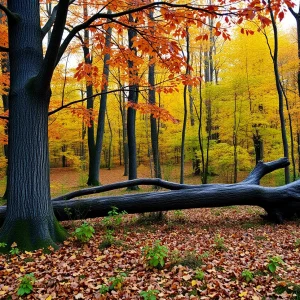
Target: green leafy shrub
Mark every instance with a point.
(274, 262)
(3, 245)
(178, 215)
(14, 249)
(219, 242)
(108, 240)
(114, 218)
(26, 284)
(149, 295)
(247, 275)
(156, 254)
(191, 259)
(199, 274)
(84, 233)
(115, 283)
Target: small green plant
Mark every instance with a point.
(103, 289)
(115, 283)
(3, 245)
(84, 233)
(149, 295)
(290, 288)
(26, 284)
(178, 215)
(297, 243)
(114, 218)
(191, 260)
(274, 262)
(175, 257)
(199, 274)
(14, 251)
(247, 275)
(156, 254)
(219, 242)
(108, 240)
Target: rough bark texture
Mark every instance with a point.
(30, 220)
(280, 202)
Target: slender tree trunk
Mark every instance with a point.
(102, 109)
(30, 220)
(131, 113)
(93, 176)
(297, 18)
(280, 94)
(191, 102)
(110, 142)
(153, 121)
(234, 139)
(185, 92)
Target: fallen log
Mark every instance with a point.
(280, 203)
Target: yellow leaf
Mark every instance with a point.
(43, 257)
(243, 294)
(255, 298)
(118, 286)
(2, 293)
(194, 282)
(28, 253)
(22, 269)
(98, 258)
(13, 245)
(49, 298)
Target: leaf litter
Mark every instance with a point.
(208, 251)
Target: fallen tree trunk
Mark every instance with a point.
(280, 202)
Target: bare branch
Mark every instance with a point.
(50, 22)
(295, 15)
(4, 118)
(79, 101)
(10, 15)
(48, 66)
(4, 49)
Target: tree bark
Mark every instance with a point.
(131, 113)
(30, 221)
(102, 110)
(279, 202)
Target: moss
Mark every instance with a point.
(32, 234)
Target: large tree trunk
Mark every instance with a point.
(30, 221)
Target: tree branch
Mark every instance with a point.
(295, 15)
(50, 22)
(10, 15)
(260, 170)
(79, 101)
(4, 49)
(84, 99)
(49, 63)
(112, 16)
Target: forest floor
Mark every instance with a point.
(218, 253)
